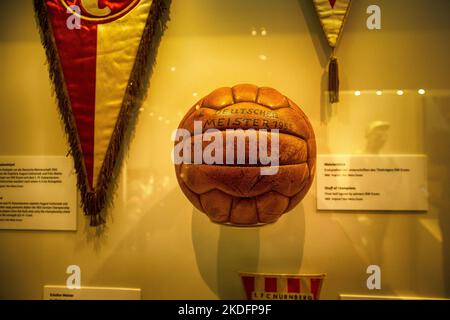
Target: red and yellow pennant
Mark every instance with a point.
(100, 53)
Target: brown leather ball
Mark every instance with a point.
(238, 194)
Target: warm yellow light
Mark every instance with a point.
(400, 92)
(173, 69)
(263, 57)
(357, 93)
(379, 93)
(421, 91)
(263, 32)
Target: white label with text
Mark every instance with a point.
(91, 293)
(37, 193)
(372, 182)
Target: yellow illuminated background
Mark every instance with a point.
(157, 241)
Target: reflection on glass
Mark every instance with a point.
(376, 136)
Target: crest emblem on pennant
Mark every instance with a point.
(90, 10)
(100, 54)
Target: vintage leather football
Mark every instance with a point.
(238, 193)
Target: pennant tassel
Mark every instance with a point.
(333, 80)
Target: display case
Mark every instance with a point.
(394, 103)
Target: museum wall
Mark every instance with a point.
(154, 238)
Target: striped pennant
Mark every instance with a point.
(259, 286)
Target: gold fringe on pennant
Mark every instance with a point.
(95, 201)
(333, 80)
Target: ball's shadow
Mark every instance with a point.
(222, 251)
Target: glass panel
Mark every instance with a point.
(157, 241)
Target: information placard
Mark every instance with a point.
(372, 182)
(91, 293)
(37, 193)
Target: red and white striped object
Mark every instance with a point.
(260, 286)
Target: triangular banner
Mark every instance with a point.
(332, 15)
(100, 54)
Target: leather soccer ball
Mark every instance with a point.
(233, 188)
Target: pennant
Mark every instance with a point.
(258, 286)
(332, 15)
(100, 54)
